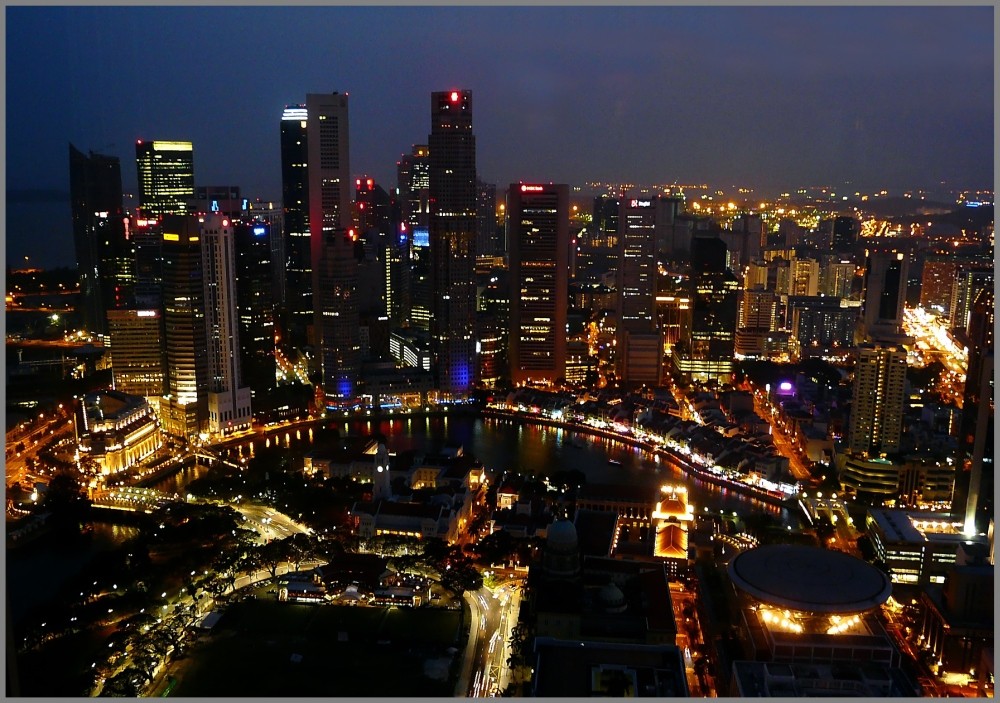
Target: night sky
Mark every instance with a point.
(767, 98)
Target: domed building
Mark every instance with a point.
(561, 557)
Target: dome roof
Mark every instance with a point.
(611, 596)
(562, 535)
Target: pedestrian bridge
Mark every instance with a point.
(132, 499)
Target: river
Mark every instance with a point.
(513, 446)
(37, 570)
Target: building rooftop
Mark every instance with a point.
(809, 579)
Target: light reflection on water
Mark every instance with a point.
(35, 573)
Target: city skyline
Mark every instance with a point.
(722, 95)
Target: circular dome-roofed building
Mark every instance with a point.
(810, 580)
(562, 551)
(611, 599)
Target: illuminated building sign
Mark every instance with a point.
(145, 313)
(532, 189)
(421, 237)
(641, 203)
(260, 230)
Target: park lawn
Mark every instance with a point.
(251, 651)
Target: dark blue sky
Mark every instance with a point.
(771, 98)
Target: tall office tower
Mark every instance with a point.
(184, 409)
(756, 276)
(973, 497)
(758, 310)
(255, 306)
(845, 233)
(269, 213)
(821, 324)
(166, 177)
(147, 247)
(297, 311)
(599, 249)
(333, 243)
(635, 281)
(744, 239)
(136, 343)
(452, 240)
(228, 398)
(968, 282)
(488, 241)
(95, 183)
(372, 207)
(707, 348)
(538, 233)
(837, 277)
(885, 293)
(877, 409)
(413, 185)
(937, 282)
(803, 278)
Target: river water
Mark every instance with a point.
(512, 446)
(36, 571)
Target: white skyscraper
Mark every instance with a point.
(228, 400)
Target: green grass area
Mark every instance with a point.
(250, 652)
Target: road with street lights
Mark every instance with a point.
(494, 615)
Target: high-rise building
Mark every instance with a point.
(598, 247)
(969, 281)
(538, 233)
(146, 236)
(218, 200)
(876, 421)
(973, 497)
(255, 299)
(297, 317)
(413, 185)
(184, 409)
(103, 257)
(837, 276)
(452, 193)
(333, 245)
(821, 323)
(166, 176)
(885, 294)
(845, 233)
(488, 236)
(636, 284)
(707, 349)
(228, 399)
(803, 277)
(758, 310)
(136, 342)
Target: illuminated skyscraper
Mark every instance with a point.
(885, 293)
(452, 192)
(255, 302)
(166, 176)
(876, 422)
(228, 399)
(137, 360)
(184, 410)
(298, 310)
(639, 347)
(332, 241)
(708, 348)
(103, 257)
(974, 481)
(413, 184)
(538, 237)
